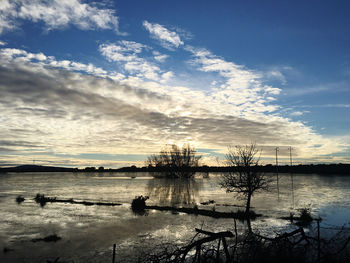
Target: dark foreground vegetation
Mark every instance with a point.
(291, 247)
(303, 220)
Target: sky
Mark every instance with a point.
(107, 83)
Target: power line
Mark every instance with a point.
(278, 188)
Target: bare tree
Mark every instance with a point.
(175, 161)
(244, 179)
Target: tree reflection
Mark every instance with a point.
(173, 191)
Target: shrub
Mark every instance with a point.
(19, 199)
(305, 217)
(42, 200)
(139, 203)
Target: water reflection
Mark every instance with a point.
(169, 191)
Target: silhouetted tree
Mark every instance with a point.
(246, 179)
(175, 161)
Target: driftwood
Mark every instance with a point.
(42, 200)
(203, 212)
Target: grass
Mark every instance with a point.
(50, 238)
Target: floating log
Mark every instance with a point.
(42, 200)
(203, 212)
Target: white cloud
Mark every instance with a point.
(276, 74)
(301, 91)
(337, 105)
(2, 43)
(166, 76)
(296, 113)
(143, 69)
(167, 38)
(332, 87)
(7, 11)
(160, 57)
(57, 14)
(242, 90)
(128, 54)
(122, 50)
(10, 55)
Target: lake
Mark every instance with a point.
(89, 232)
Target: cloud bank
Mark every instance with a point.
(54, 107)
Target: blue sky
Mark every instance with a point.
(109, 82)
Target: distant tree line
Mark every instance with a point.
(340, 169)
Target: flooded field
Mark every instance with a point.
(89, 232)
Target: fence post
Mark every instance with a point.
(199, 253)
(113, 259)
(228, 258)
(218, 251)
(318, 241)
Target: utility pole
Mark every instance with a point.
(278, 188)
(291, 173)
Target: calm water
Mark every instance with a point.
(88, 232)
